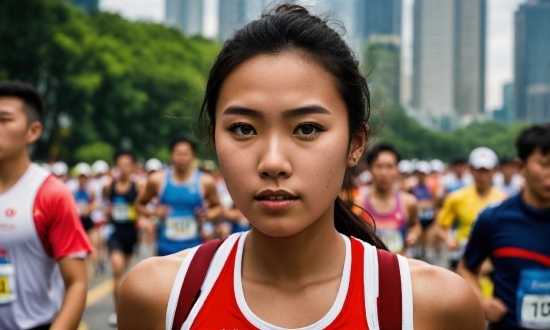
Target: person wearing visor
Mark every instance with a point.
(516, 236)
(461, 207)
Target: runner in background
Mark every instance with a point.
(516, 236)
(87, 203)
(394, 211)
(458, 176)
(508, 180)
(462, 206)
(61, 171)
(187, 198)
(426, 204)
(100, 178)
(42, 243)
(406, 169)
(121, 194)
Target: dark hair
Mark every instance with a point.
(506, 161)
(181, 138)
(292, 28)
(532, 138)
(32, 102)
(377, 149)
(458, 159)
(124, 152)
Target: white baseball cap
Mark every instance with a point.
(153, 164)
(60, 168)
(423, 167)
(100, 167)
(483, 157)
(437, 165)
(82, 169)
(405, 166)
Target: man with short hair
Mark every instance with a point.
(507, 179)
(42, 243)
(462, 206)
(516, 236)
(187, 198)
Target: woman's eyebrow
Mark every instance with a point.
(302, 111)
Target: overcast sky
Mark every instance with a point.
(500, 38)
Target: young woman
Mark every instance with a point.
(288, 112)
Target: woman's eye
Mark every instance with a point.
(307, 130)
(243, 129)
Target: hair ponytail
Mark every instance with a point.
(348, 223)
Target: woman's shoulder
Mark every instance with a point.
(442, 299)
(146, 290)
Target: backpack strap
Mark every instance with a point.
(389, 302)
(191, 287)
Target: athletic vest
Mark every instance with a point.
(31, 287)
(123, 205)
(83, 199)
(180, 229)
(222, 304)
(390, 227)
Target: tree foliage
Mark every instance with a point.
(117, 82)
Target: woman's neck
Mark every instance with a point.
(314, 254)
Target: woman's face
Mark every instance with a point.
(282, 142)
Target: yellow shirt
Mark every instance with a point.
(463, 206)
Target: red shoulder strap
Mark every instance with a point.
(191, 287)
(389, 303)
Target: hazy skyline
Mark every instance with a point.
(500, 35)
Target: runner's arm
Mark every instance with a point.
(414, 230)
(149, 191)
(93, 200)
(443, 300)
(214, 209)
(73, 271)
(469, 267)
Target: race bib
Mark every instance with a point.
(123, 212)
(8, 293)
(393, 239)
(82, 206)
(181, 228)
(426, 213)
(533, 299)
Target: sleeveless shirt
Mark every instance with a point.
(391, 227)
(222, 304)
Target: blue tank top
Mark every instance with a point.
(180, 229)
(83, 199)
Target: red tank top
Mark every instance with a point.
(221, 304)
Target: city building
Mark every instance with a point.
(449, 60)
(375, 17)
(532, 61)
(87, 5)
(186, 15)
(506, 113)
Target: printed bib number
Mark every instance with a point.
(393, 239)
(426, 213)
(7, 284)
(82, 207)
(123, 212)
(181, 228)
(533, 299)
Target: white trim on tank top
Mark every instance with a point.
(216, 267)
(322, 323)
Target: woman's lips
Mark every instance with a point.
(272, 205)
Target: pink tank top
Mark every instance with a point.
(391, 227)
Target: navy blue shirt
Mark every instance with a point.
(516, 237)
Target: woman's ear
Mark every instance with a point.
(357, 146)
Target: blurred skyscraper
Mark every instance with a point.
(88, 5)
(186, 15)
(532, 61)
(506, 113)
(375, 17)
(234, 14)
(449, 59)
(383, 62)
